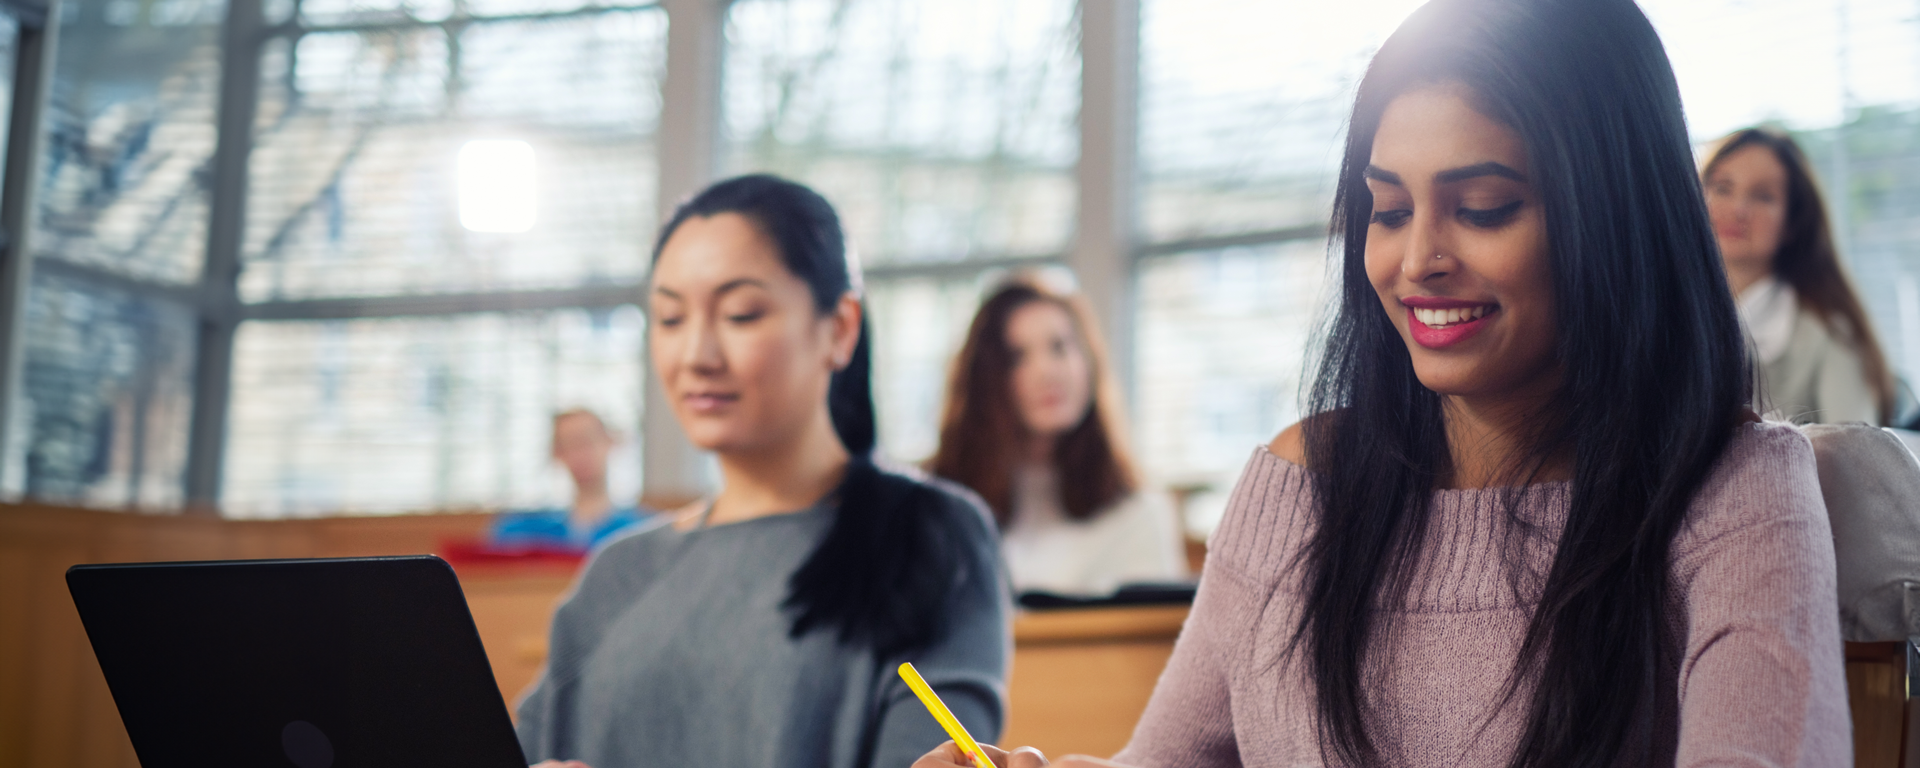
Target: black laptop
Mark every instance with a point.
(302, 663)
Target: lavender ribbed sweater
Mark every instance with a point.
(1759, 681)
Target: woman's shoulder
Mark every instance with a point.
(1765, 455)
(1269, 513)
(1766, 475)
(1291, 444)
(626, 552)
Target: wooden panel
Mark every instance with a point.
(1081, 678)
(62, 663)
(16, 591)
(512, 608)
(1877, 698)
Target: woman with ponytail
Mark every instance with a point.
(1531, 520)
(762, 627)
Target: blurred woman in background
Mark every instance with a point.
(762, 628)
(1816, 354)
(1032, 425)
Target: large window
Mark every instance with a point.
(944, 133)
(446, 223)
(416, 162)
(449, 203)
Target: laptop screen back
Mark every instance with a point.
(308, 663)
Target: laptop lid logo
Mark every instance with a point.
(306, 745)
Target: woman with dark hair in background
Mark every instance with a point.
(763, 627)
(1032, 425)
(1816, 353)
(1531, 520)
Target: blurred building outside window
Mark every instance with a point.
(945, 136)
(1243, 108)
(105, 392)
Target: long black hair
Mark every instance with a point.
(886, 564)
(1649, 348)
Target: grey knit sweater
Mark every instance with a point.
(1759, 681)
(673, 652)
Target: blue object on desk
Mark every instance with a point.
(554, 528)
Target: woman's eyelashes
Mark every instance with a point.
(1392, 219)
(1488, 218)
(1485, 218)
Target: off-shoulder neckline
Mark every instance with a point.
(1760, 430)
(1289, 466)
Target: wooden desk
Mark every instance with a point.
(1883, 720)
(512, 607)
(1081, 677)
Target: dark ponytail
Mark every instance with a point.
(888, 561)
(850, 399)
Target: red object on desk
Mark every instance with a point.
(479, 552)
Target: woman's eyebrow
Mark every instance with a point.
(740, 282)
(1382, 175)
(1478, 170)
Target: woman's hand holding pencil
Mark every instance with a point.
(964, 752)
(950, 755)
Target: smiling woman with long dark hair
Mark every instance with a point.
(1532, 521)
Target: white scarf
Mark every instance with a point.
(1767, 310)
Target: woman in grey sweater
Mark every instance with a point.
(762, 627)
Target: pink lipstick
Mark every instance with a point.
(1436, 323)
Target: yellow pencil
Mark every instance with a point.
(946, 718)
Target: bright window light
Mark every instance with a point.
(496, 186)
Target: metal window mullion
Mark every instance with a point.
(444, 304)
(1102, 254)
(33, 75)
(672, 469)
(1166, 248)
(241, 43)
(295, 28)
